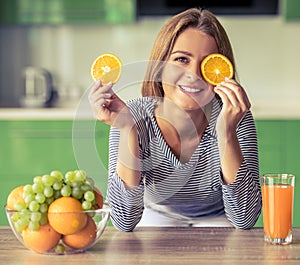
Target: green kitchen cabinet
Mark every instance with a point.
(278, 153)
(271, 143)
(293, 162)
(291, 10)
(66, 11)
(32, 148)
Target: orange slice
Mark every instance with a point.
(107, 68)
(215, 67)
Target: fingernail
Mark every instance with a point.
(109, 83)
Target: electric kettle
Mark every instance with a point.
(38, 88)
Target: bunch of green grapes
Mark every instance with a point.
(47, 188)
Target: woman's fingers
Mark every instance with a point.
(235, 105)
(232, 93)
(96, 86)
(99, 94)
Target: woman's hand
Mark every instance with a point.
(235, 106)
(108, 107)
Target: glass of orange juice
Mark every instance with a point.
(278, 201)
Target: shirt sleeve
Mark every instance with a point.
(127, 204)
(242, 198)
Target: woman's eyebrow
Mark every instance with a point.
(182, 52)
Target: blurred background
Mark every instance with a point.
(46, 51)
(63, 37)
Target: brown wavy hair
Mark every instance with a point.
(200, 19)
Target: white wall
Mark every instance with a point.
(267, 54)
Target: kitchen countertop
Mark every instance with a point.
(276, 109)
(261, 110)
(44, 114)
(36, 114)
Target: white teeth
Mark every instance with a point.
(190, 89)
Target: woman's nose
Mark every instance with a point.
(193, 71)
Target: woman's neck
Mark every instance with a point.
(187, 123)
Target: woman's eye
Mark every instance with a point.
(182, 59)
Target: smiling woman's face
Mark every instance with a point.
(181, 77)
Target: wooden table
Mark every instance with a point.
(163, 246)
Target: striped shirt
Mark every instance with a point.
(189, 190)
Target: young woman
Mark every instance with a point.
(185, 154)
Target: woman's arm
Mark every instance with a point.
(127, 204)
(242, 198)
(235, 106)
(128, 165)
(125, 190)
(237, 142)
(110, 109)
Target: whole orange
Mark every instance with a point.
(84, 237)
(66, 215)
(15, 196)
(41, 240)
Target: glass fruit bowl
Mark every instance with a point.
(60, 232)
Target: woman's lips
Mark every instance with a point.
(189, 89)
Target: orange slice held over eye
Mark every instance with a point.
(215, 68)
(107, 68)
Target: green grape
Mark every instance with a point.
(89, 196)
(21, 224)
(33, 226)
(50, 200)
(27, 189)
(15, 217)
(19, 206)
(60, 248)
(66, 191)
(38, 187)
(86, 205)
(80, 175)
(29, 198)
(57, 185)
(56, 195)
(35, 216)
(90, 181)
(86, 187)
(44, 208)
(70, 176)
(57, 174)
(34, 206)
(19, 227)
(48, 192)
(25, 213)
(40, 197)
(37, 179)
(76, 184)
(44, 219)
(48, 180)
(77, 193)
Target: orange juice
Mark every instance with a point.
(277, 210)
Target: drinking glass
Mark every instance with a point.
(278, 200)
